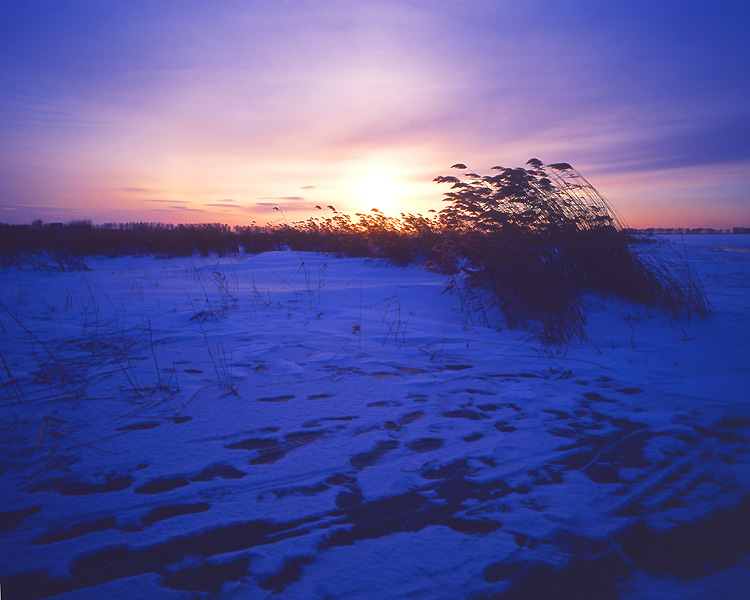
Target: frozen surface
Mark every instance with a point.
(300, 426)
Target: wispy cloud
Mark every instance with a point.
(178, 209)
(137, 189)
(287, 203)
(292, 198)
(160, 200)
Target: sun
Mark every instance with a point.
(379, 190)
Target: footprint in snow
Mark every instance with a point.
(220, 471)
(168, 511)
(138, 426)
(318, 422)
(268, 458)
(425, 444)
(69, 487)
(78, 530)
(162, 485)
(464, 414)
(277, 399)
(367, 459)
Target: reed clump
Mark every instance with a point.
(539, 237)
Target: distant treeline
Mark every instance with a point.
(371, 235)
(82, 238)
(686, 230)
(401, 240)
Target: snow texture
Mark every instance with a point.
(300, 426)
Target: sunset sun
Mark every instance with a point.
(377, 189)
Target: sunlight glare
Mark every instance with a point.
(378, 190)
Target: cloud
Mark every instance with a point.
(223, 205)
(292, 198)
(38, 208)
(165, 201)
(173, 209)
(287, 202)
(694, 144)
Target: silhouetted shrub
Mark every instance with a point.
(538, 237)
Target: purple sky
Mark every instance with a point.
(195, 111)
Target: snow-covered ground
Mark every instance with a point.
(300, 426)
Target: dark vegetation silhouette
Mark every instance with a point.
(538, 237)
(529, 242)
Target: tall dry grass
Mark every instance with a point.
(538, 237)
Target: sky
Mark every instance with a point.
(182, 111)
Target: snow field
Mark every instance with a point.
(300, 426)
